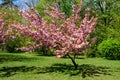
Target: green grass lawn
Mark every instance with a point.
(33, 67)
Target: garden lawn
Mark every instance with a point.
(33, 67)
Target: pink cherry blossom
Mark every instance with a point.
(62, 34)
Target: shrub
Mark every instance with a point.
(92, 51)
(44, 51)
(110, 49)
(13, 44)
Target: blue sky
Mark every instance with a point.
(0, 1)
(22, 5)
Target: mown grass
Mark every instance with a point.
(33, 67)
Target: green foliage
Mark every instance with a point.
(113, 33)
(92, 51)
(110, 48)
(101, 35)
(64, 5)
(10, 15)
(44, 51)
(15, 43)
(108, 21)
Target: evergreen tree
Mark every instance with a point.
(8, 3)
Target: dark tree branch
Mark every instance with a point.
(73, 61)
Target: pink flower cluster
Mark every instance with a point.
(62, 34)
(2, 28)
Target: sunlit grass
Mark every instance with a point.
(32, 67)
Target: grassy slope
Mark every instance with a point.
(32, 67)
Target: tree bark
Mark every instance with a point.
(73, 61)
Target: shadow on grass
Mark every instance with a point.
(11, 57)
(83, 70)
(10, 71)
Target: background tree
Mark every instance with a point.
(8, 3)
(108, 21)
(65, 6)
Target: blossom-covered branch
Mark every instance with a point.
(2, 28)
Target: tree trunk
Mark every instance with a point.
(73, 61)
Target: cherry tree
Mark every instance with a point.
(64, 35)
(2, 27)
(5, 36)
